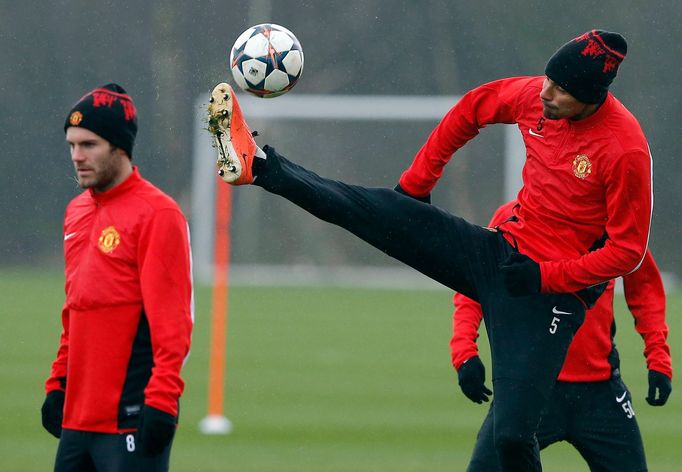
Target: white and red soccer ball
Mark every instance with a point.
(266, 60)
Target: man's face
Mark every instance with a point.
(98, 164)
(557, 103)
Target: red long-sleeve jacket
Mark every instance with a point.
(588, 356)
(128, 314)
(581, 179)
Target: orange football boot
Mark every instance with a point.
(232, 137)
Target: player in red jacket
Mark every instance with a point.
(590, 406)
(587, 173)
(112, 396)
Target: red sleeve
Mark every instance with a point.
(490, 103)
(466, 320)
(57, 379)
(166, 282)
(628, 206)
(645, 297)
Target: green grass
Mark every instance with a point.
(317, 380)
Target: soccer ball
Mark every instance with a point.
(266, 60)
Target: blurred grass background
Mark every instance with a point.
(318, 379)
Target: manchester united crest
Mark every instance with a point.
(109, 240)
(582, 167)
(75, 118)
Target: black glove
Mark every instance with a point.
(521, 275)
(425, 199)
(53, 412)
(590, 295)
(156, 430)
(471, 377)
(662, 383)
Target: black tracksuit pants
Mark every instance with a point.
(597, 418)
(85, 451)
(528, 341)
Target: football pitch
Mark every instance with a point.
(318, 379)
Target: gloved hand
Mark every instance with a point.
(521, 275)
(662, 383)
(471, 377)
(590, 295)
(425, 199)
(52, 412)
(156, 430)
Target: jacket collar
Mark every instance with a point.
(597, 117)
(131, 181)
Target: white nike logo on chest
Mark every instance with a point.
(533, 133)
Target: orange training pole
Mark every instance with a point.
(216, 380)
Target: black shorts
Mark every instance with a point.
(84, 451)
(597, 418)
(529, 335)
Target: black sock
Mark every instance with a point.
(258, 165)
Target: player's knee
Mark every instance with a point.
(512, 442)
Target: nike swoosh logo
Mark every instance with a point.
(69, 235)
(533, 133)
(556, 311)
(622, 397)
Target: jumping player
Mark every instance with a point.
(587, 173)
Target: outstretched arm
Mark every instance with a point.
(493, 102)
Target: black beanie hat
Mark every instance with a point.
(109, 112)
(586, 65)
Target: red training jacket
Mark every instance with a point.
(587, 359)
(581, 178)
(128, 315)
